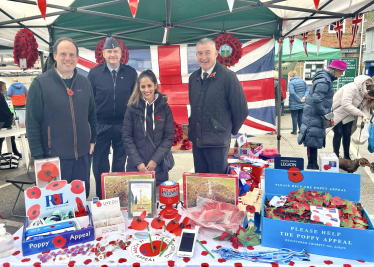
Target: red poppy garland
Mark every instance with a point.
(99, 52)
(25, 46)
(230, 40)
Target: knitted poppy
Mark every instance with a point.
(59, 241)
(33, 192)
(48, 172)
(77, 187)
(33, 212)
(56, 185)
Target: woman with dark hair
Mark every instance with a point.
(351, 101)
(6, 116)
(318, 103)
(148, 117)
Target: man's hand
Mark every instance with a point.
(141, 167)
(92, 148)
(302, 99)
(151, 165)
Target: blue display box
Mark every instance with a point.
(58, 195)
(340, 242)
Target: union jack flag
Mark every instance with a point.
(338, 28)
(304, 37)
(356, 20)
(292, 39)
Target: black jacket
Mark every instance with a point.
(138, 147)
(5, 113)
(217, 112)
(111, 101)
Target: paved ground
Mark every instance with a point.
(184, 163)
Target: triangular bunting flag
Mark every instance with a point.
(42, 5)
(356, 20)
(133, 6)
(231, 4)
(318, 37)
(316, 4)
(280, 43)
(292, 39)
(305, 39)
(338, 28)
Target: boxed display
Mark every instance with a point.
(218, 187)
(328, 162)
(47, 171)
(53, 212)
(341, 242)
(107, 217)
(142, 198)
(116, 185)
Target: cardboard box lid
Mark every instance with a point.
(344, 185)
(328, 155)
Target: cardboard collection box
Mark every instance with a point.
(41, 202)
(328, 162)
(341, 242)
(107, 217)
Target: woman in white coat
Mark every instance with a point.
(349, 102)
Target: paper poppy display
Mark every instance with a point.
(173, 224)
(48, 172)
(158, 222)
(33, 212)
(236, 47)
(139, 223)
(33, 192)
(181, 226)
(99, 52)
(57, 185)
(77, 187)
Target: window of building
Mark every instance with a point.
(331, 28)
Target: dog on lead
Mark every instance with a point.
(351, 166)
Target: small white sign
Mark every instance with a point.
(22, 63)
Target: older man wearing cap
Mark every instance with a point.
(112, 84)
(60, 115)
(317, 104)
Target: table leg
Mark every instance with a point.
(25, 150)
(9, 144)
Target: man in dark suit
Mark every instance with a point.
(218, 109)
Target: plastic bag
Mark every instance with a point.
(361, 135)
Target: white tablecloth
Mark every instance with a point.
(199, 258)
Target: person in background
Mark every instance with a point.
(349, 102)
(7, 117)
(318, 103)
(218, 109)
(61, 117)
(18, 93)
(112, 84)
(284, 93)
(298, 90)
(148, 117)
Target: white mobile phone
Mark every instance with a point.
(187, 243)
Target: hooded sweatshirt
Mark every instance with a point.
(18, 93)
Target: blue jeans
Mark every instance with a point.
(297, 116)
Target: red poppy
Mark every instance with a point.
(122, 260)
(204, 264)
(70, 92)
(361, 261)
(221, 260)
(171, 263)
(238, 264)
(212, 75)
(273, 264)
(59, 241)
(337, 201)
(6, 264)
(104, 265)
(15, 238)
(56, 199)
(158, 118)
(48, 172)
(218, 247)
(71, 263)
(328, 262)
(56, 185)
(250, 209)
(292, 263)
(33, 212)
(26, 260)
(186, 259)
(86, 262)
(33, 192)
(204, 253)
(37, 264)
(250, 248)
(16, 253)
(80, 205)
(136, 264)
(98, 204)
(77, 187)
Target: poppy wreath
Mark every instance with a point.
(186, 144)
(25, 46)
(230, 40)
(99, 52)
(178, 136)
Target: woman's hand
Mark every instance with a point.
(141, 167)
(151, 165)
(302, 99)
(364, 118)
